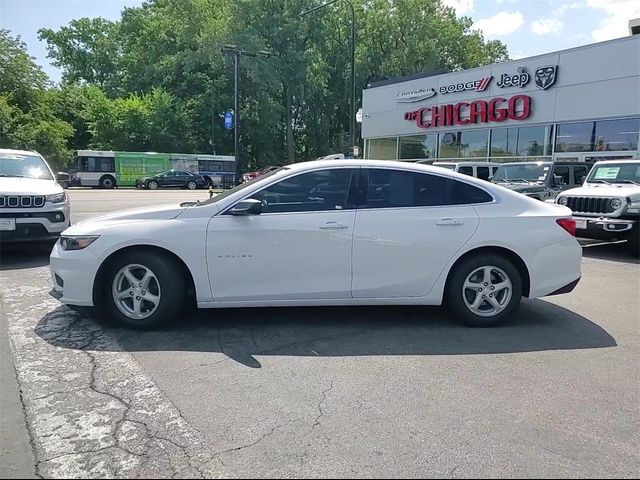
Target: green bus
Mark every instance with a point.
(110, 169)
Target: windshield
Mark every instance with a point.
(522, 172)
(623, 172)
(242, 186)
(23, 166)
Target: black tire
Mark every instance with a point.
(107, 181)
(152, 185)
(458, 304)
(633, 242)
(172, 289)
(191, 185)
(64, 184)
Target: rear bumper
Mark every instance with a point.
(566, 289)
(554, 268)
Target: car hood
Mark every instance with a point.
(521, 187)
(28, 186)
(158, 212)
(599, 190)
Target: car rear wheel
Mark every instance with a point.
(144, 290)
(633, 242)
(152, 185)
(484, 291)
(191, 185)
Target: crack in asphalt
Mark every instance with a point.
(316, 422)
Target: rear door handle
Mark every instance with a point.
(449, 221)
(333, 226)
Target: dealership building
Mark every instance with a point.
(574, 105)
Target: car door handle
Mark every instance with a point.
(449, 221)
(333, 226)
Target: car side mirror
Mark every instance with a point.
(250, 206)
(490, 178)
(62, 176)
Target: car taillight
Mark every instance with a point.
(569, 224)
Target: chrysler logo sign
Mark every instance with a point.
(415, 95)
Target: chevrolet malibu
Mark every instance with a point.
(357, 232)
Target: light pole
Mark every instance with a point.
(352, 121)
(232, 50)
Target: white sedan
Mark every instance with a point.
(354, 232)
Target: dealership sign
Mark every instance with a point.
(498, 109)
(415, 95)
(477, 85)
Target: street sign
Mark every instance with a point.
(356, 151)
(228, 119)
(359, 116)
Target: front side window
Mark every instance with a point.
(579, 173)
(23, 166)
(308, 192)
(562, 172)
(397, 188)
(466, 170)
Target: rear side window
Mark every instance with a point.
(483, 173)
(466, 170)
(388, 188)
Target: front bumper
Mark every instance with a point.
(36, 225)
(603, 227)
(73, 274)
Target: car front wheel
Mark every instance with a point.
(152, 185)
(144, 290)
(484, 291)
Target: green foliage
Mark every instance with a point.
(156, 80)
(27, 106)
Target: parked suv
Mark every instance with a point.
(541, 180)
(33, 205)
(607, 206)
(482, 170)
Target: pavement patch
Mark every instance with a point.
(92, 409)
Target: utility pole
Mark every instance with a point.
(232, 50)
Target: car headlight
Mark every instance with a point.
(563, 201)
(633, 206)
(77, 243)
(616, 203)
(57, 198)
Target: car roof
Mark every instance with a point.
(473, 164)
(623, 160)
(19, 152)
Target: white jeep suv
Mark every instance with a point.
(33, 206)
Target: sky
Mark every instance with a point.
(527, 27)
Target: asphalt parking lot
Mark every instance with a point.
(322, 392)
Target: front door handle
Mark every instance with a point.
(333, 226)
(449, 221)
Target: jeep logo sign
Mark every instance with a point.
(521, 79)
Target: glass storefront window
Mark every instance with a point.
(504, 141)
(465, 144)
(616, 135)
(574, 137)
(534, 141)
(473, 143)
(382, 148)
(418, 147)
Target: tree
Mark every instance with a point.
(27, 117)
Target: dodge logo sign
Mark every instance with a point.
(546, 76)
(477, 85)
